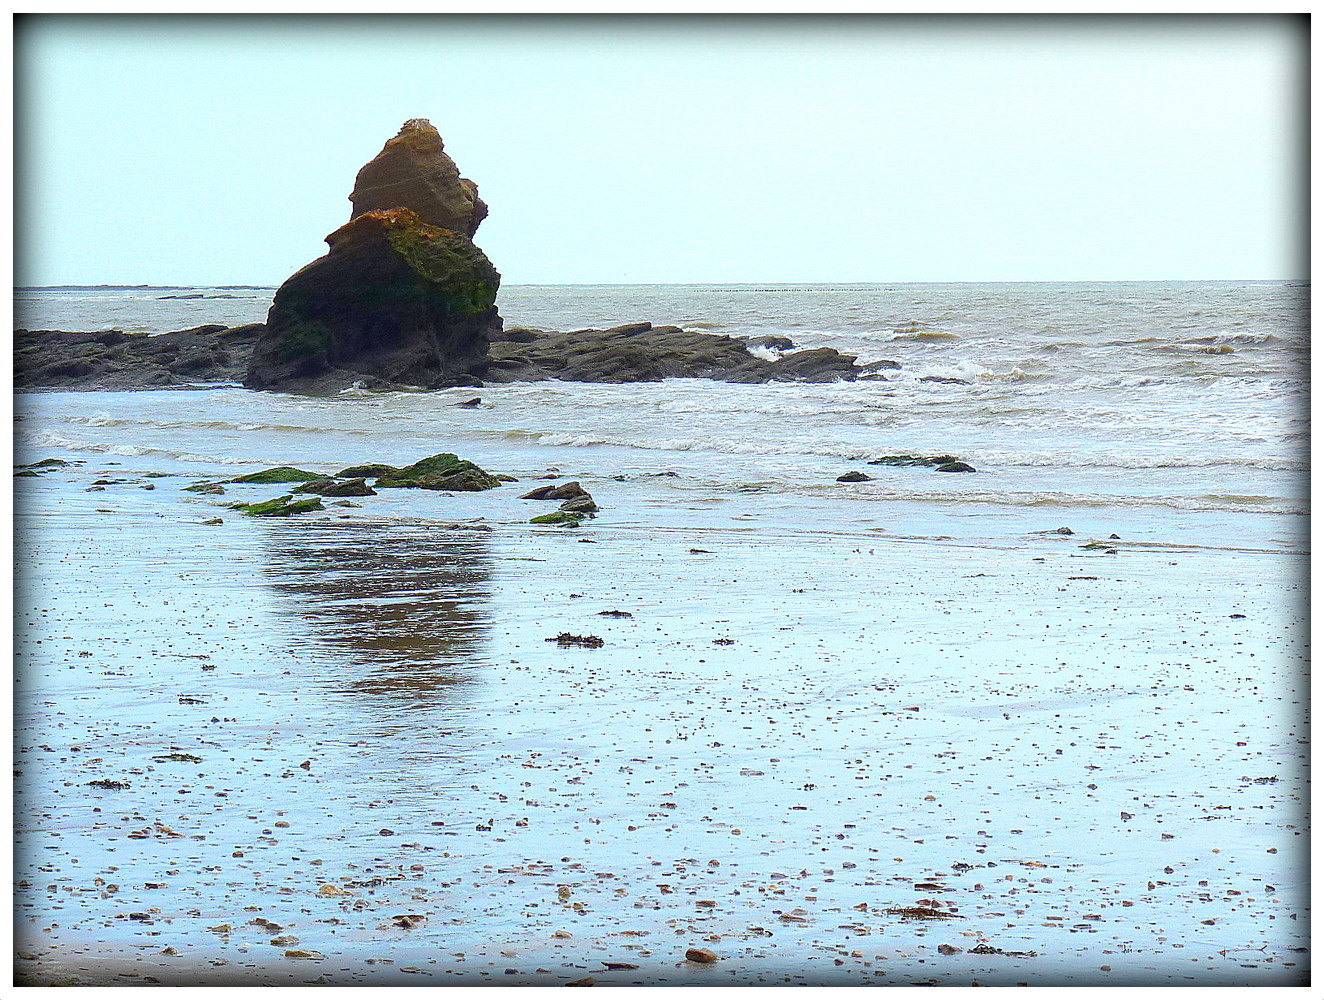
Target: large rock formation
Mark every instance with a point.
(413, 171)
(396, 303)
(403, 298)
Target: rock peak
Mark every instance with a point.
(413, 171)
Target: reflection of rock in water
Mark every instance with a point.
(407, 603)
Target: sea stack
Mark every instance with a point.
(403, 299)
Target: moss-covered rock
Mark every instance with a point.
(372, 470)
(282, 506)
(280, 474)
(209, 488)
(563, 518)
(441, 472)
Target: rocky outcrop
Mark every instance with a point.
(54, 359)
(403, 299)
(413, 171)
(396, 303)
(641, 352)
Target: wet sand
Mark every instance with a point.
(830, 753)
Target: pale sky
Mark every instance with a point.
(183, 150)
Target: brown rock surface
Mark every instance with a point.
(413, 171)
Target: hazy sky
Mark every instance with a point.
(221, 150)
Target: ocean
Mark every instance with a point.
(1042, 723)
(1184, 400)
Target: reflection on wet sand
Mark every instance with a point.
(403, 606)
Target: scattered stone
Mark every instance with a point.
(948, 949)
(854, 477)
(110, 784)
(586, 641)
(943, 381)
(214, 520)
(616, 614)
(471, 403)
(919, 913)
(703, 956)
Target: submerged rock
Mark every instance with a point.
(282, 506)
(854, 477)
(904, 460)
(331, 488)
(563, 518)
(954, 467)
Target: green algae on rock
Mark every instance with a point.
(370, 470)
(562, 518)
(282, 506)
(441, 472)
(280, 474)
(396, 303)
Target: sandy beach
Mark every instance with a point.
(340, 748)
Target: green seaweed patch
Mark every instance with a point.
(280, 506)
(280, 474)
(449, 260)
(440, 472)
(372, 470)
(562, 518)
(304, 339)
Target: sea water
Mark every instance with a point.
(1185, 400)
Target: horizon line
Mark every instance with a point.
(713, 284)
